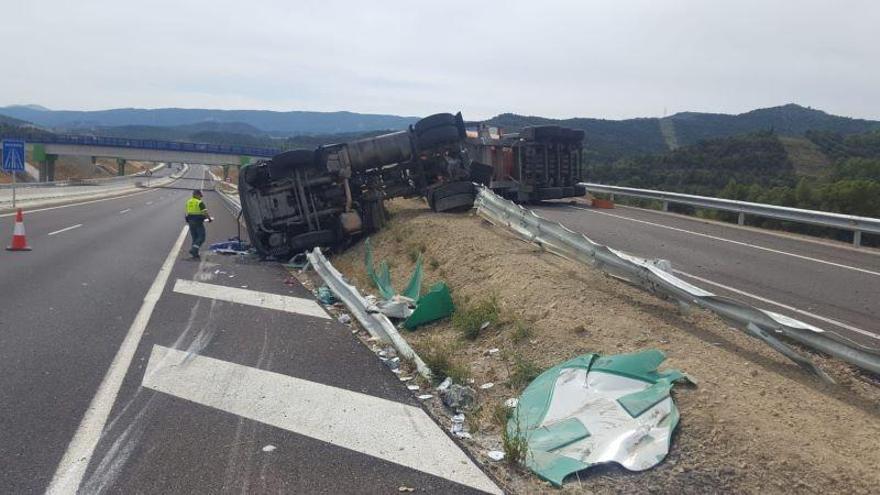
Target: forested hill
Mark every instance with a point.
(765, 168)
(608, 140)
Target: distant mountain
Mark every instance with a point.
(275, 123)
(608, 140)
(5, 120)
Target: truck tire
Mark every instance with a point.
(452, 196)
(432, 121)
(439, 135)
(283, 164)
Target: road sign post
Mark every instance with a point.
(13, 160)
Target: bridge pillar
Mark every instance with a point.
(225, 172)
(47, 168)
(120, 166)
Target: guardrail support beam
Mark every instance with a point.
(225, 172)
(666, 206)
(47, 168)
(741, 218)
(857, 238)
(120, 166)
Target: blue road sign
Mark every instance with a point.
(13, 155)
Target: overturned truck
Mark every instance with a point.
(333, 194)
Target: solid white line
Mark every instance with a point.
(781, 305)
(389, 430)
(739, 243)
(72, 467)
(297, 305)
(66, 229)
(124, 211)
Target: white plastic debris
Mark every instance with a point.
(494, 350)
(344, 318)
(511, 403)
(495, 455)
(485, 325)
(445, 385)
(413, 387)
(269, 448)
(457, 428)
(425, 396)
(487, 386)
(405, 378)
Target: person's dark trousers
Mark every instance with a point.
(197, 232)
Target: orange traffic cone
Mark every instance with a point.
(19, 241)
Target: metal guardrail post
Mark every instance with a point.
(741, 218)
(857, 238)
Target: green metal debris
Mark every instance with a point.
(434, 305)
(382, 279)
(597, 409)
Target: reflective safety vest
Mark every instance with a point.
(193, 206)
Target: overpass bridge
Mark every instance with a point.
(46, 149)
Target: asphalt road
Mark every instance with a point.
(115, 377)
(827, 284)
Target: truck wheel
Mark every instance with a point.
(438, 135)
(452, 196)
(256, 175)
(283, 164)
(432, 121)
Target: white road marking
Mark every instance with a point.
(739, 243)
(149, 203)
(124, 211)
(66, 229)
(290, 304)
(377, 427)
(81, 203)
(72, 467)
(781, 305)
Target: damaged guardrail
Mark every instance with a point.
(377, 324)
(655, 276)
(853, 223)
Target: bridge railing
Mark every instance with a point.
(151, 144)
(856, 224)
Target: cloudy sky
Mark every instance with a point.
(612, 59)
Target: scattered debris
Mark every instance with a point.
(511, 403)
(495, 455)
(406, 489)
(494, 350)
(458, 397)
(445, 384)
(325, 295)
(425, 396)
(269, 448)
(485, 325)
(413, 387)
(232, 246)
(298, 262)
(344, 318)
(457, 427)
(487, 386)
(596, 409)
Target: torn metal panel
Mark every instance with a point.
(594, 410)
(657, 277)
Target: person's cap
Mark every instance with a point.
(196, 192)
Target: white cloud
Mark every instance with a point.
(609, 59)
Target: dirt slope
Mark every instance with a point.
(754, 424)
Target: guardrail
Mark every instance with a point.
(151, 144)
(853, 223)
(656, 276)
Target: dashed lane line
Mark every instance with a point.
(66, 229)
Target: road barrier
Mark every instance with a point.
(656, 276)
(853, 223)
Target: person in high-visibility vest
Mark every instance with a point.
(196, 216)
